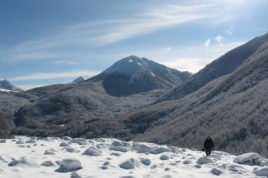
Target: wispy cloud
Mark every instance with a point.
(207, 43)
(83, 36)
(56, 75)
(219, 38)
(168, 49)
(230, 30)
(186, 64)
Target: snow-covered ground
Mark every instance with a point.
(5, 90)
(54, 157)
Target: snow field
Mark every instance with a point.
(101, 158)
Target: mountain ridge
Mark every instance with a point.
(219, 67)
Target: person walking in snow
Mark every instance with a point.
(208, 145)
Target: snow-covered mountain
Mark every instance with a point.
(110, 158)
(6, 86)
(134, 75)
(80, 79)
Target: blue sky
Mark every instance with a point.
(55, 41)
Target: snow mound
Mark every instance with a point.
(25, 162)
(2, 141)
(92, 151)
(48, 164)
(119, 148)
(203, 160)
(31, 140)
(63, 144)
(117, 143)
(2, 159)
(248, 158)
(50, 151)
(80, 141)
(69, 165)
(164, 157)
(20, 141)
(160, 150)
(71, 150)
(75, 175)
(262, 172)
(129, 164)
(236, 169)
(141, 148)
(187, 162)
(216, 171)
(145, 161)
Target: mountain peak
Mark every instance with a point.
(79, 79)
(128, 65)
(6, 86)
(134, 74)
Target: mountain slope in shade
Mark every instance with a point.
(232, 109)
(76, 109)
(220, 67)
(10, 102)
(134, 75)
(6, 86)
(6, 124)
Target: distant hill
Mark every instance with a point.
(134, 75)
(79, 79)
(6, 86)
(78, 106)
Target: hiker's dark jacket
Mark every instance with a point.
(209, 144)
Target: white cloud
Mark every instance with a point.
(219, 38)
(186, 64)
(89, 35)
(55, 75)
(207, 43)
(168, 49)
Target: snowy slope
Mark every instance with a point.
(5, 90)
(55, 157)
